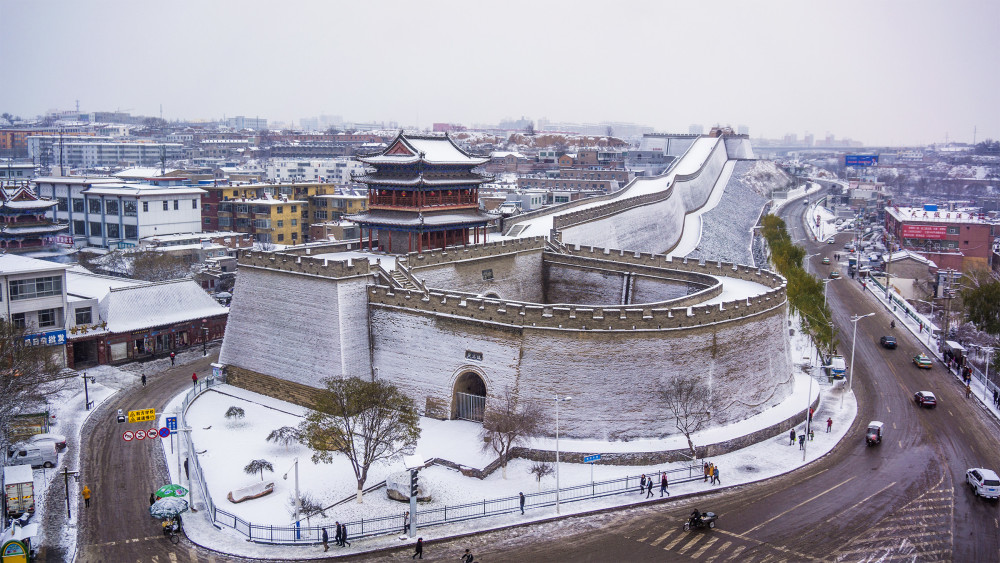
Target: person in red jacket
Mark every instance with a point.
(194, 379)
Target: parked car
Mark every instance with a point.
(984, 482)
(826, 260)
(922, 361)
(40, 454)
(59, 439)
(888, 342)
(925, 399)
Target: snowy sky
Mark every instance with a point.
(888, 72)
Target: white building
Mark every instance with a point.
(34, 296)
(240, 122)
(15, 174)
(109, 214)
(336, 170)
(99, 152)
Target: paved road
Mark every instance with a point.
(117, 526)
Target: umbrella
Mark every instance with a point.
(170, 491)
(168, 507)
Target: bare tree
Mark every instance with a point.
(540, 469)
(688, 400)
(506, 425)
(369, 420)
(28, 373)
(286, 436)
(153, 265)
(235, 413)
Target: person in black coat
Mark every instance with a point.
(420, 549)
(521, 495)
(343, 536)
(326, 540)
(337, 534)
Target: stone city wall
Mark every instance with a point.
(304, 264)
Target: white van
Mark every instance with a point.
(39, 454)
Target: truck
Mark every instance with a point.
(837, 367)
(19, 490)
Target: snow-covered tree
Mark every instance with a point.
(235, 413)
(507, 424)
(368, 421)
(689, 402)
(27, 375)
(258, 466)
(286, 436)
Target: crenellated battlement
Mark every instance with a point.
(279, 261)
(416, 260)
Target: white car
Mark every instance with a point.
(59, 439)
(984, 482)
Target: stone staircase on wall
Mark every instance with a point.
(402, 282)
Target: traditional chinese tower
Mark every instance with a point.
(23, 224)
(422, 195)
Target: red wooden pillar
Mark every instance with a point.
(361, 237)
(369, 239)
(420, 243)
(409, 242)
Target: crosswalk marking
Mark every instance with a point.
(660, 539)
(677, 540)
(736, 552)
(715, 555)
(172, 557)
(687, 547)
(708, 544)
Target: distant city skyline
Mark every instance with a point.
(886, 73)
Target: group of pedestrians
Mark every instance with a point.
(340, 537)
(712, 472)
(646, 485)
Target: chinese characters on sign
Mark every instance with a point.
(935, 232)
(142, 415)
(56, 337)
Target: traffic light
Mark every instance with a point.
(413, 483)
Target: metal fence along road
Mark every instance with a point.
(394, 524)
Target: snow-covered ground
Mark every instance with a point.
(225, 448)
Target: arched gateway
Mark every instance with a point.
(469, 400)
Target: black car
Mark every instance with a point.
(888, 342)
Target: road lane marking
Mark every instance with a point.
(721, 550)
(736, 552)
(769, 520)
(687, 547)
(862, 501)
(660, 539)
(909, 556)
(702, 549)
(676, 541)
(960, 430)
(122, 542)
(900, 442)
(951, 413)
(172, 557)
(888, 409)
(893, 425)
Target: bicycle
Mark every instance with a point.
(172, 531)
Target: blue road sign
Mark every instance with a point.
(164, 432)
(172, 422)
(592, 458)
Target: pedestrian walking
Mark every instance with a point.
(468, 557)
(171, 358)
(706, 472)
(406, 521)
(642, 484)
(791, 437)
(343, 536)
(663, 485)
(968, 390)
(326, 540)
(143, 380)
(715, 476)
(711, 469)
(337, 534)
(996, 397)
(86, 495)
(521, 501)
(420, 549)
(811, 435)
(802, 441)
(829, 424)
(649, 488)
(194, 380)
(186, 476)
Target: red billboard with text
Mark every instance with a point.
(935, 232)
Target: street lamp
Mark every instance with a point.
(86, 393)
(826, 281)
(204, 337)
(806, 260)
(297, 500)
(854, 338)
(558, 400)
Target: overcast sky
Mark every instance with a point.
(882, 72)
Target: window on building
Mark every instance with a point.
(295, 236)
(46, 318)
(145, 206)
(294, 208)
(952, 230)
(177, 204)
(95, 229)
(131, 232)
(236, 193)
(77, 205)
(79, 227)
(281, 237)
(279, 209)
(166, 205)
(280, 223)
(113, 230)
(129, 208)
(194, 204)
(19, 320)
(208, 221)
(35, 287)
(295, 222)
(94, 206)
(111, 207)
(63, 204)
